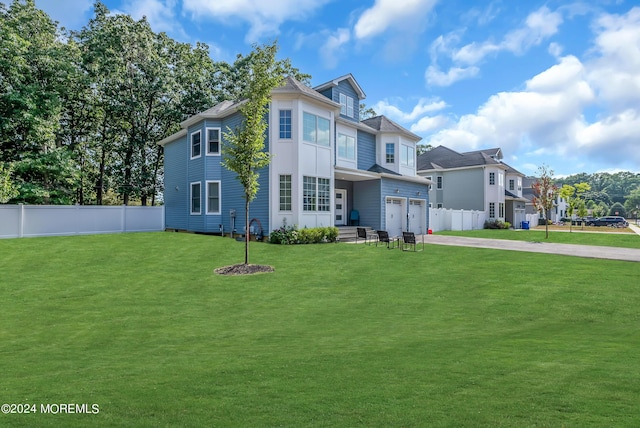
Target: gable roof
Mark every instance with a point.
(384, 124)
(444, 158)
(294, 86)
(335, 82)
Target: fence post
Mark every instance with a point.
(20, 220)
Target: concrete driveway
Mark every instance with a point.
(595, 252)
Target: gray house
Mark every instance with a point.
(329, 168)
(476, 180)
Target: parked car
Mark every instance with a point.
(613, 221)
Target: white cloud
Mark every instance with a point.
(386, 14)
(332, 49)
(423, 107)
(71, 14)
(264, 17)
(435, 77)
(429, 124)
(159, 13)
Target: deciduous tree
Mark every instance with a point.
(545, 192)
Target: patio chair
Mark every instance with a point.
(409, 242)
(367, 236)
(354, 218)
(383, 236)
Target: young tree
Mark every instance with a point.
(244, 152)
(574, 197)
(544, 194)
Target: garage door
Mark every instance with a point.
(416, 216)
(394, 217)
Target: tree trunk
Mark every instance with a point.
(246, 230)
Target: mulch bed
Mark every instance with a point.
(243, 269)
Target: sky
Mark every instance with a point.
(553, 83)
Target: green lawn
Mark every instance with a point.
(615, 239)
(339, 335)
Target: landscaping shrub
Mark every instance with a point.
(292, 235)
(496, 224)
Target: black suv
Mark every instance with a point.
(612, 221)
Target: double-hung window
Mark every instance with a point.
(492, 210)
(213, 141)
(390, 152)
(316, 129)
(439, 182)
(324, 194)
(501, 209)
(195, 145)
(346, 147)
(285, 124)
(512, 185)
(346, 105)
(492, 178)
(285, 193)
(213, 197)
(195, 198)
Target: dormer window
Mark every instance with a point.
(346, 105)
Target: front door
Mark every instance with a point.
(340, 207)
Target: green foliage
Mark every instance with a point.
(496, 224)
(632, 204)
(292, 235)
(545, 192)
(46, 178)
(617, 209)
(8, 190)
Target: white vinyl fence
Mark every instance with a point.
(445, 219)
(17, 221)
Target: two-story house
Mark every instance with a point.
(326, 166)
(476, 180)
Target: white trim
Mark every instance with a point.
(191, 212)
(206, 198)
(191, 156)
(212, 128)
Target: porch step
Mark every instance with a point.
(349, 233)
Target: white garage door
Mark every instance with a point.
(416, 216)
(394, 217)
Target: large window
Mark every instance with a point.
(213, 141)
(316, 194)
(195, 145)
(213, 197)
(407, 155)
(346, 105)
(195, 198)
(285, 124)
(316, 129)
(390, 151)
(285, 193)
(346, 147)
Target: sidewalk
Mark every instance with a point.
(596, 252)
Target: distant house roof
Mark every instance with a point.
(293, 86)
(335, 82)
(444, 158)
(384, 124)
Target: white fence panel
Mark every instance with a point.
(51, 220)
(445, 219)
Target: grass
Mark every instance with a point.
(602, 238)
(338, 335)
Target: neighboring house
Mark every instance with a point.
(326, 164)
(559, 210)
(477, 180)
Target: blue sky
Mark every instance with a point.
(550, 82)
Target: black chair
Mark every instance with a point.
(363, 234)
(383, 236)
(409, 242)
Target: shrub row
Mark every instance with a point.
(496, 224)
(292, 235)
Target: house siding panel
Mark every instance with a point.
(176, 188)
(367, 200)
(464, 189)
(344, 87)
(403, 190)
(366, 150)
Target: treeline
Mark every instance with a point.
(609, 193)
(81, 111)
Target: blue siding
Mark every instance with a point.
(366, 199)
(195, 173)
(176, 187)
(344, 87)
(406, 190)
(366, 150)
